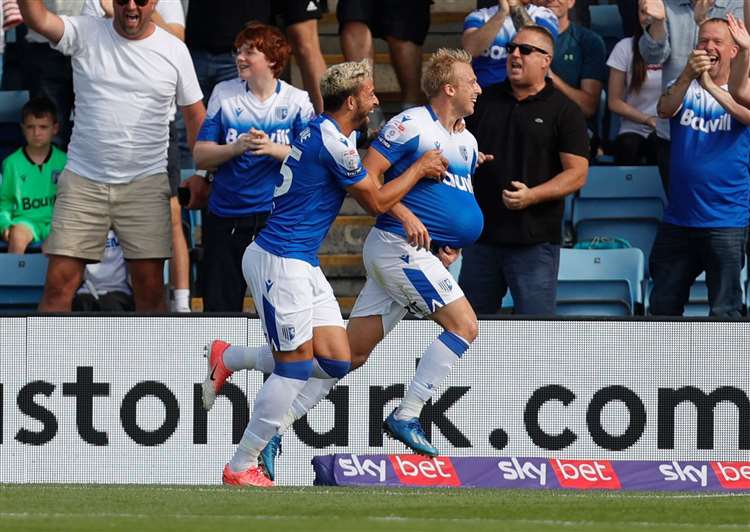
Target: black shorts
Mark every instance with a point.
(406, 20)
(294, 11)
(173, 160)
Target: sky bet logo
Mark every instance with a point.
(410, 470)
(359, 467)
(732, 475)
(514, 469)
(677, 472)
(415, 470)
(585, 474)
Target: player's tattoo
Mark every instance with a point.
(520, 16)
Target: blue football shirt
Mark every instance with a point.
(322, 164)
(244, 185)
(447, 208)
(709, 184)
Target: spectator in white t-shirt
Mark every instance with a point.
(634, 88)
(169, 15)
(126, 74)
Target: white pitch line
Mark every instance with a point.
(394, 518)
(415, 492)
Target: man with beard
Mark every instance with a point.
(299, 313)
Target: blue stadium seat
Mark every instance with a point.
(21, 281)
(600, 282)
(606, 21)
(10, 105)
(11, 137)
(620, 201)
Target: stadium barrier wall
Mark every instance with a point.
(117, 399)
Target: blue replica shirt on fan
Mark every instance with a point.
(322, 164)
(709, 183)
(448, 208)
(244, 185)
(490, 66)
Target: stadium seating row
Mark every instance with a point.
(603, 282)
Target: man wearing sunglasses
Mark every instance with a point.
(126, 74)
(489, 29)
(538, 138)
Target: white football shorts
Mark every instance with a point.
(291, 296)
(401, 278)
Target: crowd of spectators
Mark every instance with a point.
(138, 94)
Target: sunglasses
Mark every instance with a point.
(139, 3)
(525, 49)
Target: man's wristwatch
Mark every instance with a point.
(205, 174)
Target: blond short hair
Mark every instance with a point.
(341, 81)
(439, 69)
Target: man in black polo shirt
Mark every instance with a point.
(540, 146)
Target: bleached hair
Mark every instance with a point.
(343, 80)
(439, 69)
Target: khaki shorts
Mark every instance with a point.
(85, 210)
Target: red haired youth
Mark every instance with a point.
(268, 40)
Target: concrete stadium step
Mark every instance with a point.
(438, 7)
(343, 266)
(345, 273)
(347, 235)
(445, 31)
(346, 287)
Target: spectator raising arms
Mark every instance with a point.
(170, 16)
(670, 35)
(126, 74)
(634, 88)
(488, 30)
(705, 223)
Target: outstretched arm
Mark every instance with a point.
(477, 40)
(42, 20)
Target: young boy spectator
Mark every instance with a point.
(29, 185)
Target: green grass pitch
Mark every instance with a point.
(219, 509)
